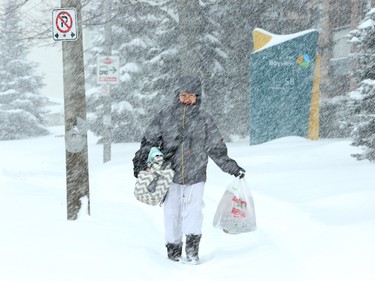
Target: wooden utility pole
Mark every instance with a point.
(77, 174)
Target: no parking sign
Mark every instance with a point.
(64, 24)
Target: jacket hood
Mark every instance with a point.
(191, 84)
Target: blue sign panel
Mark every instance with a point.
(281, 82)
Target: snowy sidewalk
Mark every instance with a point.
(314, 204)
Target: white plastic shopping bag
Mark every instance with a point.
(236, 213)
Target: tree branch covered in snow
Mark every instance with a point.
(21, 111)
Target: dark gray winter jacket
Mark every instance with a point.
(187, 136)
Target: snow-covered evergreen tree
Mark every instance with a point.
(363, 38)
(143, 36)
(21, 114)
(214, 73)
(234, 22)
(362, 100)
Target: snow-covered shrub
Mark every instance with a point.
(19, 124)
(363, 105)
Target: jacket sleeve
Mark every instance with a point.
(152, 137)
(217, 149)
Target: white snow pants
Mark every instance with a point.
(183, 211)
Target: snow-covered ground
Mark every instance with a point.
(315, 207)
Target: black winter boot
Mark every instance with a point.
(174, 251)
(192, 247)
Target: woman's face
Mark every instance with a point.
(188, 98)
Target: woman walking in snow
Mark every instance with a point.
(187, 136)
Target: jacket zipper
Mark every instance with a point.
(183, 148)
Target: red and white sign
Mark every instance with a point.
(64, 24)
(107, 70)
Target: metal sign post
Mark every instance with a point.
(107, 74)
(76, 151)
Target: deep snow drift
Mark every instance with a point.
(315, 207)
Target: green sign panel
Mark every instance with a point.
(281, 82)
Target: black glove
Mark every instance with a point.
(241, 173)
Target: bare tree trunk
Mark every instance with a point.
(190, 29)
